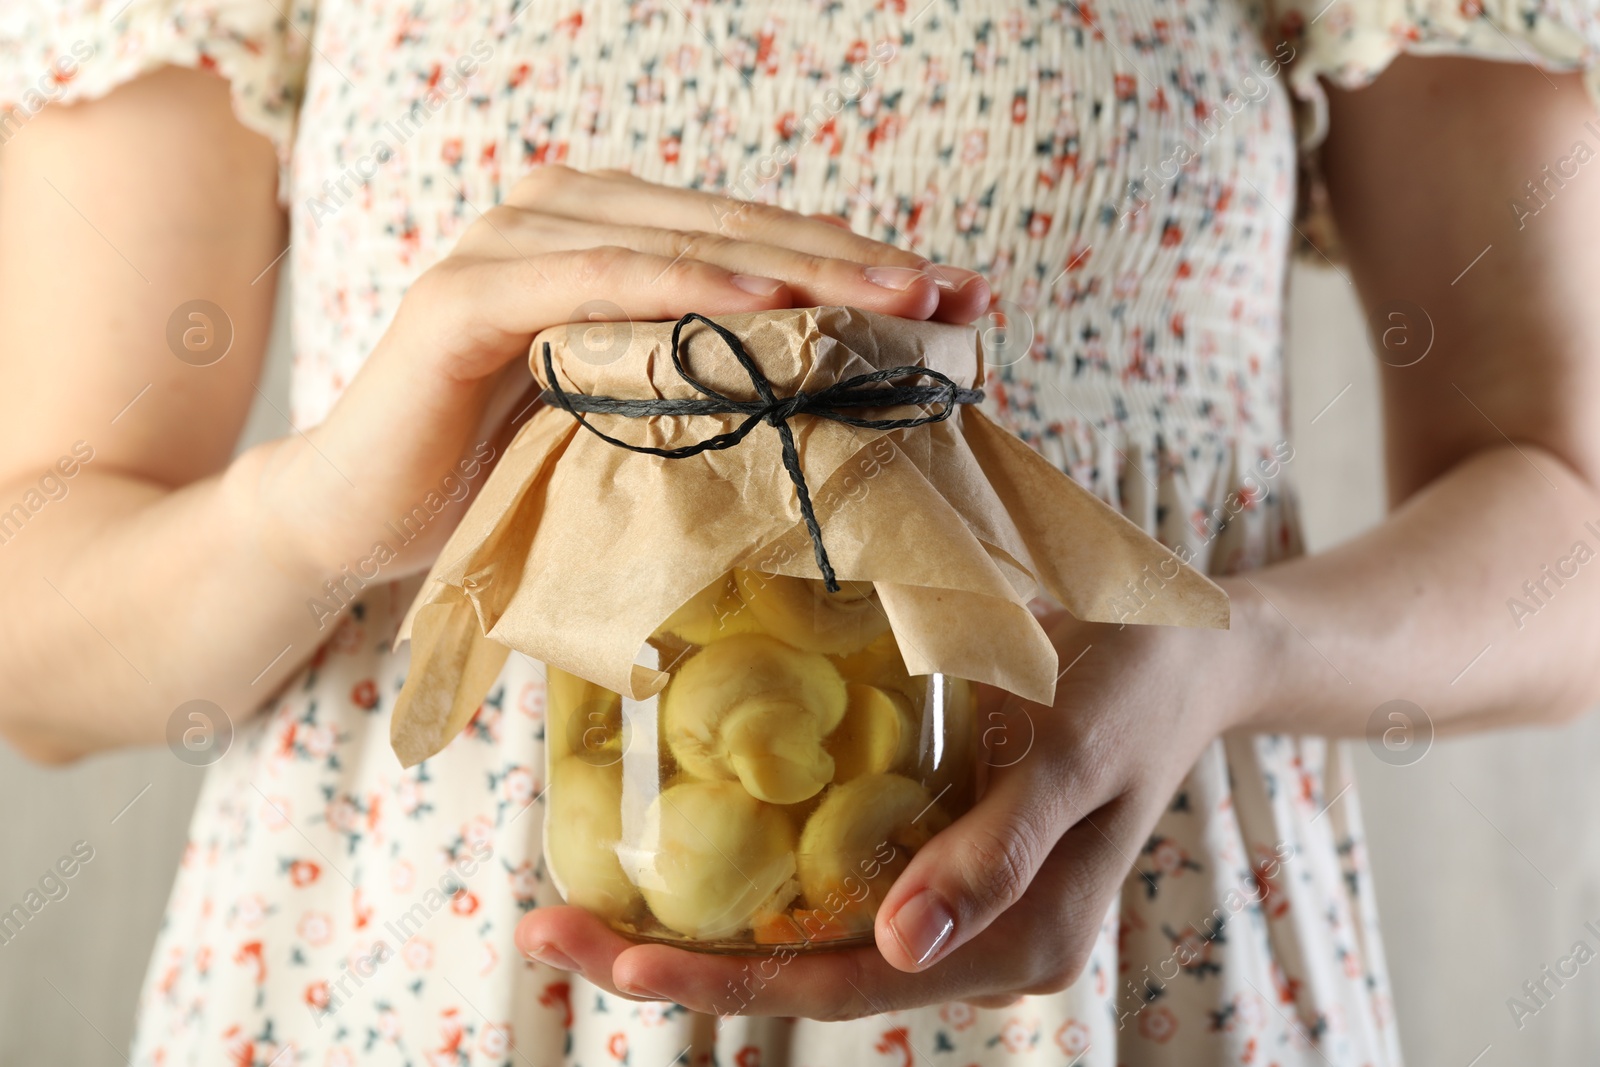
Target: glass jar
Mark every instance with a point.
(770, 795)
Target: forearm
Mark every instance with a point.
(125, 599)
(1424, 608)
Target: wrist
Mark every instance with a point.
(273, 507)
(1240, 665)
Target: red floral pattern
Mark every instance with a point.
(1120, 172)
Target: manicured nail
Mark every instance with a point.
(923, 926)
(952, 279)
(553, 957)
(897, 278)
(756, 286)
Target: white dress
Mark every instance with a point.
(1124, 174)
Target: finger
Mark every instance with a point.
(999, 1000)
(467, 318)
(623, 200)
(571, 939)
(972, 871)
(964, 295)
(1024, 949)
(825, 984)
(831, 984)
(1040, 945)
(908, 292)
(1076, 887)
(518, 297)
(812, 279)
(832, 220)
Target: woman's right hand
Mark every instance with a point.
(448, 372)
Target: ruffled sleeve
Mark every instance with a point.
(61, 51)
(1350, 42)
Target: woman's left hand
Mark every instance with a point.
(1009, 899)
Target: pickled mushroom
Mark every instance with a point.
(752, 708)
(801, 611)
(713, 859)
(583, 718)
(713, 613)
(880, 663)
(878, 733)
(583, 823)
(860, 839)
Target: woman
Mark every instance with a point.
(1174, 873)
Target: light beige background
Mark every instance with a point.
(1465, 844)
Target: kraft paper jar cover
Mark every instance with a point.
(577, 550)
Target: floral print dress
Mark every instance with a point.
(1123, 173)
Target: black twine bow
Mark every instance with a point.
(829, 403)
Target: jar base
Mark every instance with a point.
(657, 934)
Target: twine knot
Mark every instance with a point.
(876, 389)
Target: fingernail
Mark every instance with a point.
(756, 286)
(897, 278)
(641, 992)
(923, 926)
(952, 279)
(553, 957)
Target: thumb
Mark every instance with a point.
(973, 870)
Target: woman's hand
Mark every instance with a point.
(165, 505)
(1009, 899)
(449, 371)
